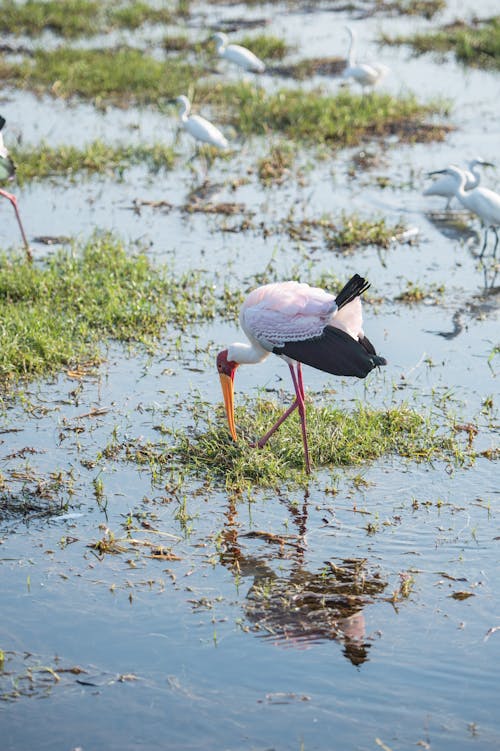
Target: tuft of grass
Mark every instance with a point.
(339, 120)
(275, 167)
(71, 19)
(336, 438)
(314, 66)
(122, 76)
(476, 44)
(267, 47)
(60, 312)
(414, 293)
(44, 161)
(425, 8)
(347, 234)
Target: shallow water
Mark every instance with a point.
(244, 640)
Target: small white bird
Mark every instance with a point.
(366, 74)
(483, 202)
(445, 186)
(199, 127)
(237, 54)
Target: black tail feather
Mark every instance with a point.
(354, 288)
(2, 122)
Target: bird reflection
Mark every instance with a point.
(298, 607)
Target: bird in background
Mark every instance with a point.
(445, 185)
(483, 202)
(302, 325)
(7, 172)
(198, 127)
(237, 54)
(366, 74)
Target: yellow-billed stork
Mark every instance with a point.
(302, 325)
(7, 173)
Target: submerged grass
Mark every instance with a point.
(128, 75)
(75, 18)
(336, 438)
(60, 312)
(476, 44)
(339, 120)
(45, 161)
(123, 75)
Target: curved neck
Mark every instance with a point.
(351, 54)
(246, 354)
(220, 43)
(473, 169)
(185, 109)
(461, 179)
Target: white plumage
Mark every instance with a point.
(237, 54)
(366, 74)
(199, 127)
(483, 202)
(445, 185)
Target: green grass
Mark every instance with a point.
(59, 313)
(265, 46)
(124, 75)
(476, 44)
(336, 438)
(339, 120)
(45, 161)
(71, 19)
(345, 234)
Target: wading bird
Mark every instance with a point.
(7, 172)
(366, 74)
(302, 325)
(445, 185)
(198, 127)
(237, 54)
(483, 202)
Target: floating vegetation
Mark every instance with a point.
(414, 293)
(347, 233)
(316, 66)
(97, 157)
(26, 492)
(336, 438)
(275, 168)
(58, 313)
(476, 43)
(75, 18)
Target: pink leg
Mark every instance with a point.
(297, 404)
(13, 201)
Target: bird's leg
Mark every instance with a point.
(299, 390)
(13, 201)
(262, 442)
(496, 242)
(485, 242)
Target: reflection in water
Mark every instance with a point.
(300, 607)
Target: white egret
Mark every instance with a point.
(7, 173)
(483, 202)
(366, 74)
(445, 185)
(300, 324)
(198, 127)
(237, 54)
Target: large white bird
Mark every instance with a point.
(483, 202)
(199, 127)
(300, 324)
(366, 74)
(237, 54)
(445, 185)
(7, 172)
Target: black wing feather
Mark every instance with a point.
(334, 352)
(354, 288)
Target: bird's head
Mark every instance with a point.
(227, 369)
(220, 39)
(479, 160)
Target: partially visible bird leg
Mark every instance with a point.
(495, 230)
(485, 242)
(13, 201)
(298, 403)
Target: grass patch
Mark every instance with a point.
(60, 312)
(46, 161)
(414, 293)
(71, 19)
(336, 438)
(314, 66)
(274, 168)
(476, 44)
(266, 47)
(349, 233)
(340, 120)
(121, 76)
